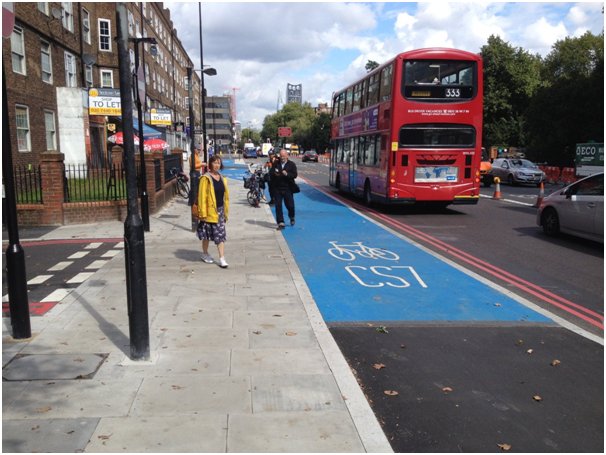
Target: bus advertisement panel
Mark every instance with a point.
(410, 130)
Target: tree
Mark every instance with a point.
(569, 107)
(300, 119)
(511, 77)
(371, 65)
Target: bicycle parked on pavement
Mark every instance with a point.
(255, 183)
(182, 179)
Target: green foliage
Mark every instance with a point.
(308, 129)
(250, 135)
(371, 65)
(545, 105)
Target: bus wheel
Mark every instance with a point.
(338, 183)
(367, 195)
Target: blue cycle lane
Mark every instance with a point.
(357, 271)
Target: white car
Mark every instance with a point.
(577, 209)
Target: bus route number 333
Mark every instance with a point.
(453, 93)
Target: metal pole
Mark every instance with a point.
(192, 171)
(142, 171)
(134, 241)
(15, 256)
(202, 89)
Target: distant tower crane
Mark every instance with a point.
(234, 110)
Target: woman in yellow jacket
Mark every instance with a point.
(213, 210)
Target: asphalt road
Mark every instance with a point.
(487, 387)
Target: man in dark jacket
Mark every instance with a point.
(284, 172)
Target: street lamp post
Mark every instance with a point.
(140, 83)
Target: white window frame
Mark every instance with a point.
(70, 70)
(23, 131)
(43, 8)
(103, 36)
(18, 39)
(102, 74)
(50, 130)
(49, 52)
(86, 34)
(88, 75)
(67, 18)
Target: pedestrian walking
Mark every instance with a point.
(285, 173)
(269, 165)
(213, 210)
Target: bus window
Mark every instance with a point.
(342, 103)
(364, 93)
(349, 100)
(373, 89)
(449, 80)
(370, 151)
(433, 135)
(356, 97)
(386, 79)
(346, 151)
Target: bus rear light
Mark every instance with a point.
(393, 173)
(392, 180)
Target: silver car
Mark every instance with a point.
(517, 170)
(577, 209)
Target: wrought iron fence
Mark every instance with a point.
(170, 162)
(88, 184)
(28, 184)
(158, 175)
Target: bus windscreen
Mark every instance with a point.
(446, 80)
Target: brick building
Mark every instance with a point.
(60, 50)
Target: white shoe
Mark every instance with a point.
(207, 258)
(223, 263)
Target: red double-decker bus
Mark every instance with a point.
(411, 130)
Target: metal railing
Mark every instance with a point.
(171, 161)
(85, 184)
(28, 184)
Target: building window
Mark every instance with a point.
(105, 42)
(51, 131)
(18, 50)
(68, 16)
(23, 133)
(88, 69)
(70, 70)
(107, 78)
(86, 26)
(43, 7)
(46, 62)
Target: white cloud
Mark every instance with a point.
(260, 47)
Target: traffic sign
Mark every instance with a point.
(284, 131)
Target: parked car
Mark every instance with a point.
(577, 209)
(517, 170)
(249, 152)
(310, 155)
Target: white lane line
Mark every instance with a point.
(39, 279)
(80, 277)
(78, 255)
(5, 298)
(57, 295)
(509, 200)
(111, 253)
(60, 266)
(92, 246)
(119, 245)
(96, 265)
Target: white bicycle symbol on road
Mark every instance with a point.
(350, 251)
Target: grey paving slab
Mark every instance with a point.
(175, 338)
(283, 337)
(292, 392)
(307, 432)
(47, 435)
(199, 318)
(278, 361)
(273, 303)
(73, 399)
(33, 367)
(183, 395)
(271, 319)
(173, 434)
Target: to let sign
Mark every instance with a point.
(104, 101)
(284, 131)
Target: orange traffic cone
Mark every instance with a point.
(541, 195)
(497, 188)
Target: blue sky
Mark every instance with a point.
(260, 47)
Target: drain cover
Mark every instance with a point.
(37, 367)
